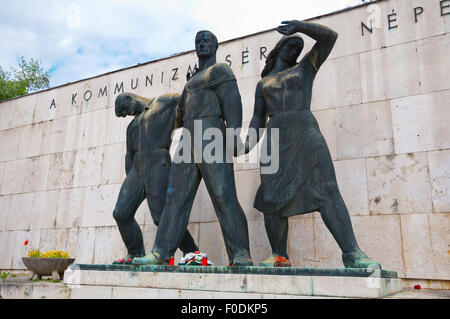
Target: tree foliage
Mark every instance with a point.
(28, 77)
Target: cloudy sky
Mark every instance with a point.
(76, 39)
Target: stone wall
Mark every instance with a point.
(381, 100)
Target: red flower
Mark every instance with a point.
(417, 287)
(26, 242)
(280, 259)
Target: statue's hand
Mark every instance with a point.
(288, 27)
(189, 75)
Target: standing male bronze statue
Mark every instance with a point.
(212, 99)
(147, 165)
(306, 180)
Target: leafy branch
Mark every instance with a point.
(27, 78)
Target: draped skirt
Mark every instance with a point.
(299, 185)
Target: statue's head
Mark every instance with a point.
(291, 49)
(206, 44)
(288, 49)
(126, 104)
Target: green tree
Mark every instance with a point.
(28, 77)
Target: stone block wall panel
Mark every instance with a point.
(381, 101)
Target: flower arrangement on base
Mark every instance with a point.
(48, 254)
(195, 259)
(36, 253)
(281, 262)
(123, 261)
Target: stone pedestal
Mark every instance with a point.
(241, 282)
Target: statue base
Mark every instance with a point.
(210, 282)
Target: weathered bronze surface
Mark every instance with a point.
(212, 99)
(306, 180)
(147, 164)
(290, 271)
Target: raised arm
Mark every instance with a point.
(325, 37)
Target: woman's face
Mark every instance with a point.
(291, 51)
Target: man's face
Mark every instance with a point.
(125, 106)
(205, 45)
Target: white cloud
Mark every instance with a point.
(73, 16)
(84, 38)
(231, 19)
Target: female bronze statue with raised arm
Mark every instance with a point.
(306, 180)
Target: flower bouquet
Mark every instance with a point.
(195, 259)
(123, 261)
(281, 262)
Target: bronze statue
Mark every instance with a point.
(210, 99)
(305, 181)
(147, 165)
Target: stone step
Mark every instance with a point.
(61, 291)
(242, 281)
